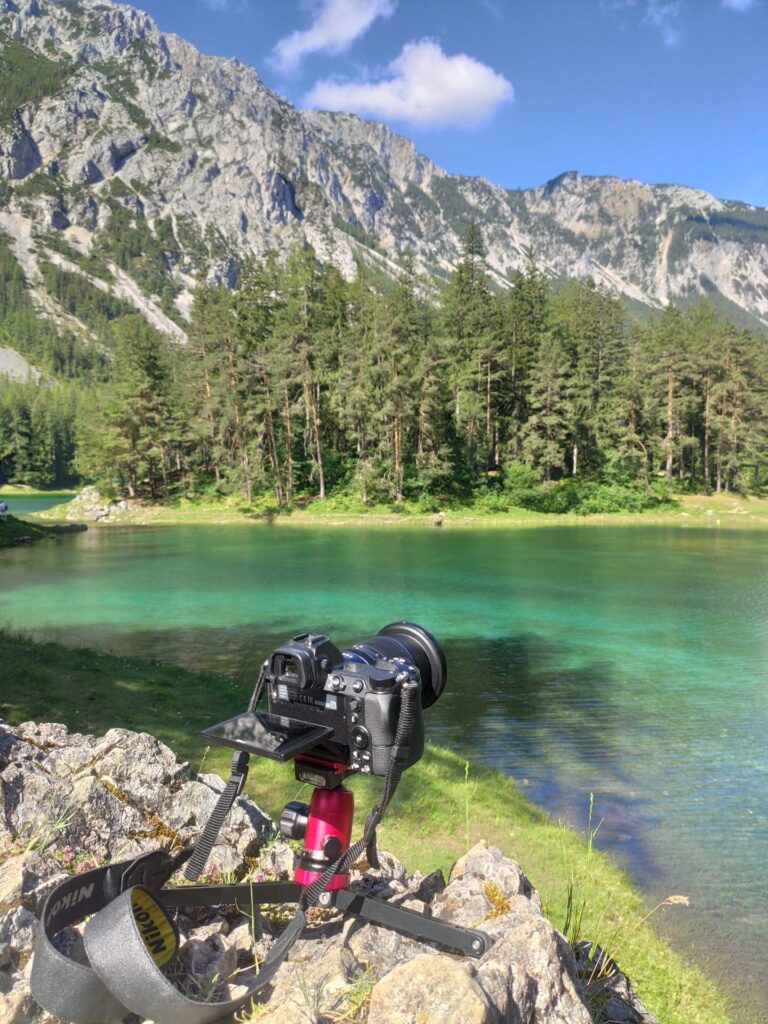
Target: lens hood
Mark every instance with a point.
(426, 654)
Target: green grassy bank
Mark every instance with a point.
(721, 510)
(441, 808)
(15, 531)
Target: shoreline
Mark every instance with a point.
(701, 511)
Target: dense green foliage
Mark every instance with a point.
(53, 350)
(27, 77)
(303, 384)
(37, 433)
(300, 384)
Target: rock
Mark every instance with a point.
(27, 879)
(380, 948)
(608, 988)
(90, 505)
(489, 863)
(426, 887)
(17, 931)
(540, 974)
(278, 860)
(429, 990)
(69, 799)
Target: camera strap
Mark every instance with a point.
(238, 773)
(131, 936)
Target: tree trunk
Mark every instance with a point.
(397, 440)
(288, 445)
(670, 421)
(313, 411)
(707, 430)
(245, 463)
(489, 413)
(209, 413)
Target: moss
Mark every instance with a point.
(159, 830)
(117, 793)
(500, 905)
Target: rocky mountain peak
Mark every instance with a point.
(124, 144)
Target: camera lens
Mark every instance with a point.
(417, 645)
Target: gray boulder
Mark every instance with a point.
(72, 801)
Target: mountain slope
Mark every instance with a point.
(129, 162)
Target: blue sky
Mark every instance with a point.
(522, 90)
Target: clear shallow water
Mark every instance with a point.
(627, 662)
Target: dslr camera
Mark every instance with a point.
(337, 712)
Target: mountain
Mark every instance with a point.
(130, 162)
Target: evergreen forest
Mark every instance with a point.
(301, 385)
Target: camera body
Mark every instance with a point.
(336, 712)
(356, 693)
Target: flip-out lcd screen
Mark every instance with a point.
(267, 735)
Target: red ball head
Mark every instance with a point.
(329, 830)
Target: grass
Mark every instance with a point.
(17, 531)
(441, 807)
(723, 511)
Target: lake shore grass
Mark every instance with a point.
(726, 511)
(15, 531)
(442, 807)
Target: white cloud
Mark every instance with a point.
(739, 5)
(237, 6)
(664, 16)
(425, 87)
(337, 24)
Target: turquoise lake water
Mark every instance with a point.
(630, 662)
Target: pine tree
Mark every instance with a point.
(546, 432)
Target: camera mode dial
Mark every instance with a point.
(381, 678)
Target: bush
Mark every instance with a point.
(522, 488)
(585, 497)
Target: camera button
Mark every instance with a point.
(357, 686)
(354, 719)
(360, 737)
(354, 704)
(336, 682)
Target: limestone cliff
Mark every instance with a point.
(119, 140)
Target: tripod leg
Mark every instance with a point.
(468, 941)
(221, 895)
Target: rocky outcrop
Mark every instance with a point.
(88, 505)
(219, 167)
(72, 801)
